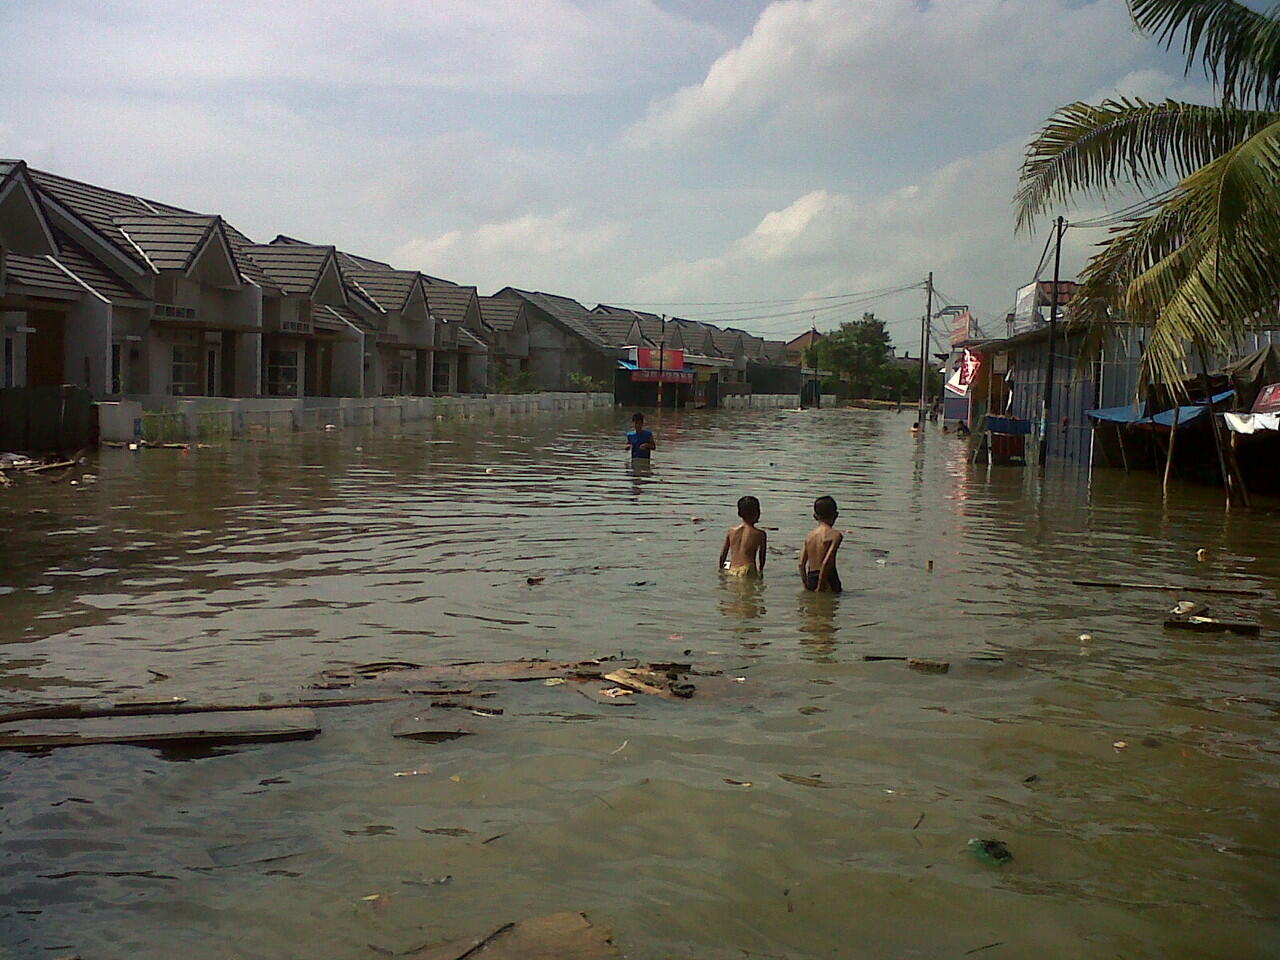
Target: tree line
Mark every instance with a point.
(859, 358)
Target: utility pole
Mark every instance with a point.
(924, 352)
(1047, 416)
(662, 355)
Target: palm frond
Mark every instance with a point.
(1239, 48)
(1093, 149)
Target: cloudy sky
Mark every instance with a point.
(761, 161)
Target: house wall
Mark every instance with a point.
(13, 348)
(1075, 390)
(348, 367)
(555, 353)
(86, 345)
(768, 378)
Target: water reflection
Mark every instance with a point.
(238, 572)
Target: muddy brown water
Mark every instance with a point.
(240, 571)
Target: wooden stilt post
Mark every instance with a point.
(1173, 440)
(1124, 456)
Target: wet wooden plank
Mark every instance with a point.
(163, 729)
(1210, 625)
(560, 936)
(417, 676)
(1168, 588)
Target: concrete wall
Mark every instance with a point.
(196, 418)
(10, 322)
(554, 354)
(86, 345)
(761, 401)
(348, 367)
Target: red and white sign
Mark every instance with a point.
(1268, 399)
(965, 373)
(647, 358)
(960, 328)
(661, 376)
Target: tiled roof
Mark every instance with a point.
(38, 273)
(294, 268)
(775, 351)
(567, 311)
(469, 341)
(170, 242)
(388, 288)
(450, 302)
(500, 313)
(335, 314)
(99, 207)
(249, 267)
(613, 329)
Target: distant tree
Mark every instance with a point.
(858, 353)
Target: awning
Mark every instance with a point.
(654, 375)
(1135, 414)
(1252, 422)
(1130, 414)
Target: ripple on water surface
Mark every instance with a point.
(822, 810)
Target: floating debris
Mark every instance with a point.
(990, 851)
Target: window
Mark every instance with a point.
(282, 373)
(440, 376)
(186, 370)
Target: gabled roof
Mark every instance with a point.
(249, 267)
(24, 226)
(471, 342)
(614, 329)
(168, 243)
(66, 275)
(293, 268)
(390, 289)
(330, 316)
(775, 351)
(450, 302)
(500, 313)
(565, 310)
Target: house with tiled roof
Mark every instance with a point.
(505, 317)
(564, 344)
(192, 324)
(463, 344)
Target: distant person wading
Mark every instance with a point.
(640, 440)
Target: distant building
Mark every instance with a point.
(796, 348)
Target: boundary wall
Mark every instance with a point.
(760, 401)
(175, 419)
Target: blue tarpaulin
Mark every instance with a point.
(1136, 414)
(1130, 414)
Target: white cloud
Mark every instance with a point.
(534, 46)
(809, 63)
(524, 251)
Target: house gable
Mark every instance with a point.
(24, 227)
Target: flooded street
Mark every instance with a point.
(240, 571)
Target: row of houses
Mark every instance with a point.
(126, 296)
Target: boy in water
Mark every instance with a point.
(818, 558)
(639, 439)
(744, 544)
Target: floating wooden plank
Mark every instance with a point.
(409, 675)
(1210, 625)
(178, 706)
(594, 691)
(426, 728)
(560, 936)
(159, 730)
(1169, 588)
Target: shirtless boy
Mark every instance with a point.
(744, 544)
(818, 558)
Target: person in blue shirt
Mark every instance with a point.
(639, 439)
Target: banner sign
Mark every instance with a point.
(960, 328)
(1268, 399)
(965, 372)
(647, 358)
(661, 376)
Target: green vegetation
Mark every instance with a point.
(586, 383)
(861, 358)
(515, 382)
(1195, 261)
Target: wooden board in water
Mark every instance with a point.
(242, 726)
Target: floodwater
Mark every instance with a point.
(1132, 773)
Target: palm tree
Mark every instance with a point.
(1198, 260)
